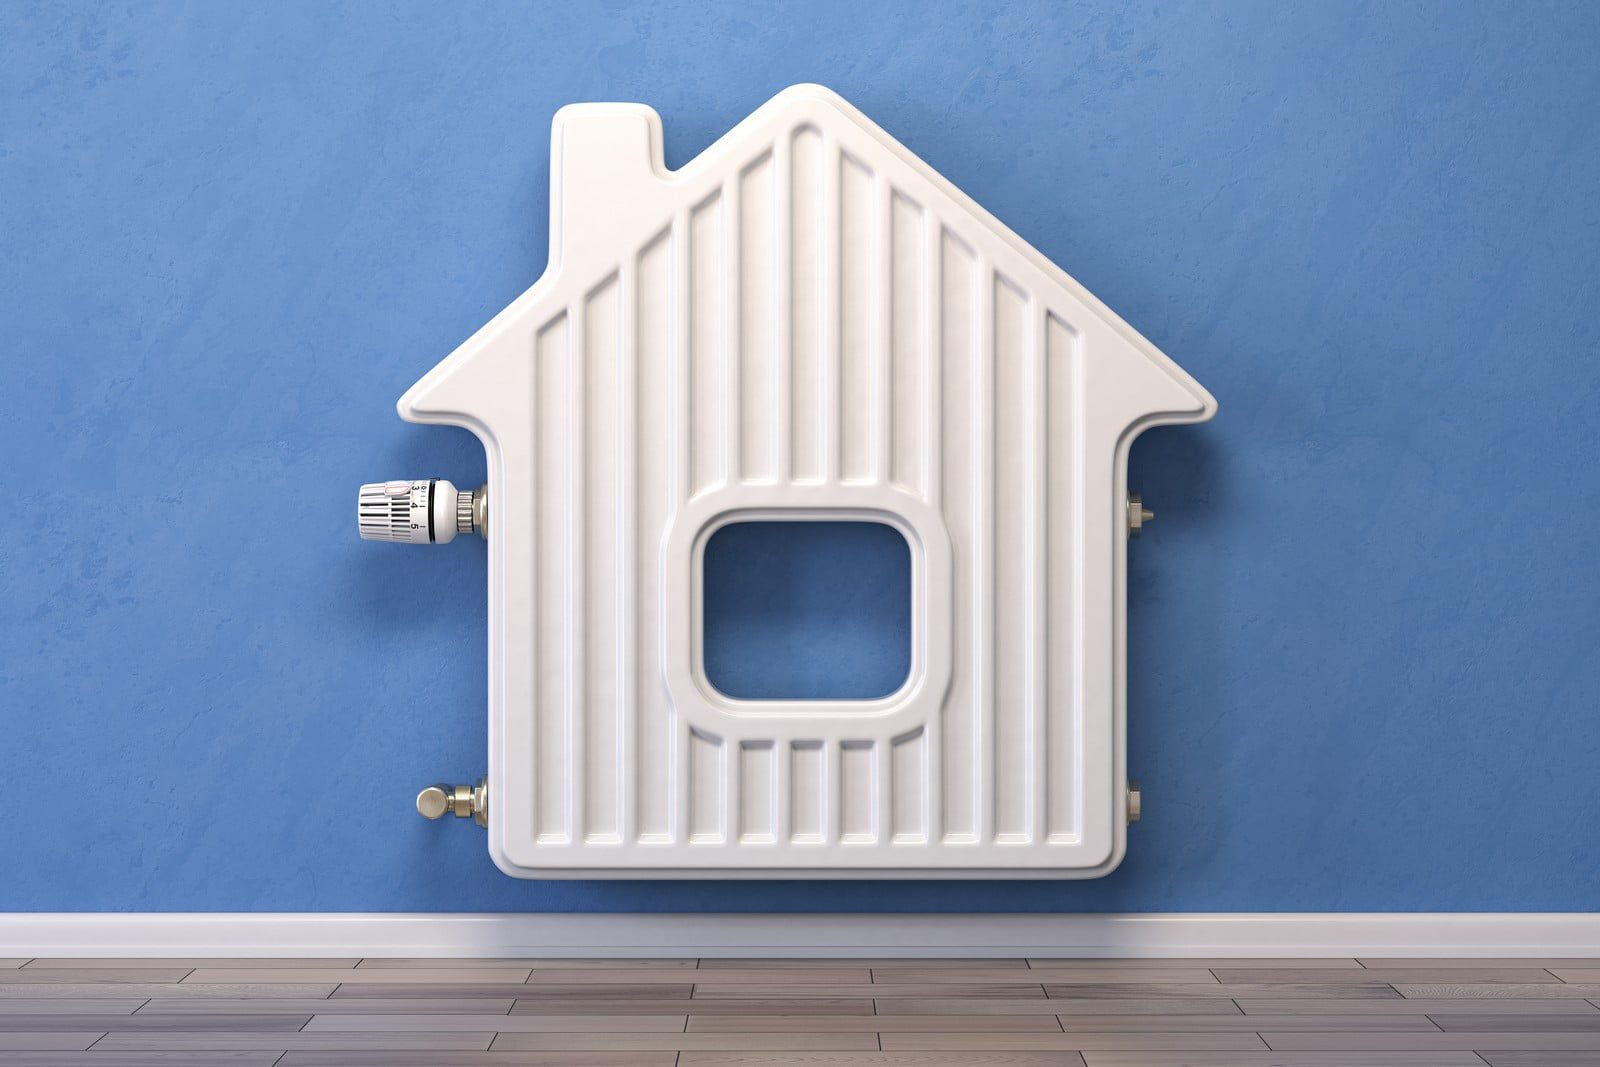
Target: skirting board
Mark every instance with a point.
(1236, 935)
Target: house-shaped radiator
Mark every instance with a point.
(805, 322)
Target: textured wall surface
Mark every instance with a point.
(1363, 630)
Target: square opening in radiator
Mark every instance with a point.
(807, 610)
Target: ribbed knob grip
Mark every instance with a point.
(396, 511)
(423, 511)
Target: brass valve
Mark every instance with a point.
(462, 801)
(1138, 514)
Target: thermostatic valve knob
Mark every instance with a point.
(425, 511)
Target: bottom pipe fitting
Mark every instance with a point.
(462, 801)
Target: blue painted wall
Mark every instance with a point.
(1363, 641)
(806, 610)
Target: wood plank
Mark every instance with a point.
(1535, 1058)
(477, 1059)
(880, 1024)
(899, 963)
(440, 976)
(1115, 963)
(1391, 975)
(505, 1024)
(1074, 1042)
(1410, 1005)
(519, 990)
(1438, 1041)
(1501, 1022)
(195, 1040)
(1060, 1006)
(760, 975)
(48, 1040)
(1474, 962)
(877, 989)
(1499, 990)
(313, 1006)
(1047, 975)
(1254, 1023)
(1282, 1059)
(69, 1005)
(169, 989)
(112, 963)
(752, 1042)
(103, 1023)
(699, 1005)
(418, 963)
(1578, 975)
(141, 1059)
(1345, 989)
(102, 976)
(878, 1059)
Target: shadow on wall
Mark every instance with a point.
(1178, 701)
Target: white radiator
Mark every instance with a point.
(805, 322)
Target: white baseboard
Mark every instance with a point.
(844, 935)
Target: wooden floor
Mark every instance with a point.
(1103, 1013)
